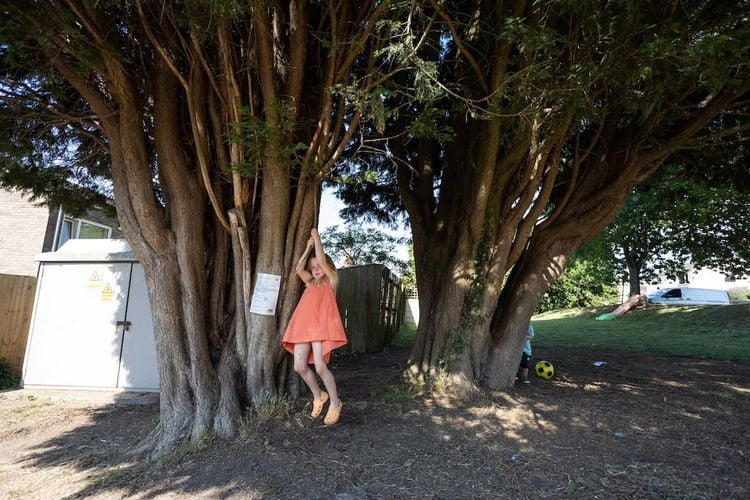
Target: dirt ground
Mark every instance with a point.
(638, 427)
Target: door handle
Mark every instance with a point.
(125, 324)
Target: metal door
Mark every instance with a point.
(138, 368)
(75, 340)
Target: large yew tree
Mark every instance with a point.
(216, 122)
(526, 126)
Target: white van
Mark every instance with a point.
(686, 296)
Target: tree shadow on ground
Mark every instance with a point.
(639, 426)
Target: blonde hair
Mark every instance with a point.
(330, 263)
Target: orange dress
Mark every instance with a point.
(316, 318)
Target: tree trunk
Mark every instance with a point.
(529, 280)
(634, 277)
(437, 346)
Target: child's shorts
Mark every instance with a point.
(525, 360)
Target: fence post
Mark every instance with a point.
(16, 305)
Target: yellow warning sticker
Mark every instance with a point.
(107, 292)
(95, 280)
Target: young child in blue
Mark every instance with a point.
(526, 356)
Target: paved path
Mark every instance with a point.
(78, 396)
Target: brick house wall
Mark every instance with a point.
(23, 226)
(27, 229)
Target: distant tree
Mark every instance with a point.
(693, 211)
(409, 278)
(589, 279)
(356, 245)
(639, 235)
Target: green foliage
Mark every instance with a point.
(687, 213)
(50, 147)
(400, 393)
(356, 245)
(8, 379)
(429, 124)
(721, 332)
(196, 445)
(370, 103)
(405, 336)
(589, 280)
(739, 294)
(53, 187)
(409, 278)
(274, 408)
(255, 136)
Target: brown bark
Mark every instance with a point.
(634, 274)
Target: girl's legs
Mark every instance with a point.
(301, 352)
(324, 372)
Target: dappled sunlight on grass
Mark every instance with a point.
(674, 384)
(689, 414)
(630, 389)
(569, 313)
(745, 391)
(228, 490)
(676, 309)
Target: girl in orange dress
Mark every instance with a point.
(315, 328)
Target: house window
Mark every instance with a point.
(82, 229)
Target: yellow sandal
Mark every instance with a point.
(334, 412)
(318, 404)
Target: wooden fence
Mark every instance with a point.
(372, 306)
(16, 303)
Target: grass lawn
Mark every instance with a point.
(405, 336)
(721, 332)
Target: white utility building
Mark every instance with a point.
(91, 326)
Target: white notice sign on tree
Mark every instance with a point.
(266, 294)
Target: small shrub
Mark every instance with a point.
(8, 379)
(192, 447)
(106, 477)
(739, 294)
(404, 337)
(275, 408)
(399, 393)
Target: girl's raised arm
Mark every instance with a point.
(303, 273)
(321, 256)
